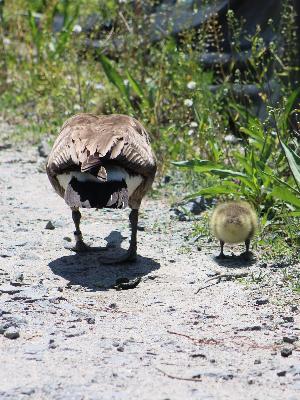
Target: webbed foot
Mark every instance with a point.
(81, 247)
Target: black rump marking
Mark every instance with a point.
(89, 194)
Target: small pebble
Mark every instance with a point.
(285, 352)
(262, 301)
(49, 225)
(288, 318)
(281, 373)
(290, 339)
(12, 333)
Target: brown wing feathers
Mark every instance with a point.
(86, 141)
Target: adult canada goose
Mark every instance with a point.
(234, 222)
(99, 162)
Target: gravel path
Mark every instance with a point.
(66, 333)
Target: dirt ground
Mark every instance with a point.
(80, 338)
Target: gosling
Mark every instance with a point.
(234, 222)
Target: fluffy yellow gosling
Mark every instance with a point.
(234, 222)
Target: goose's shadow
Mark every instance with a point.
(87, 271)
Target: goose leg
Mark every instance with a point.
(130, 254)
(221, 255)
(80, 246)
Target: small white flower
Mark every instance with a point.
(6, 41)
(99, 86)
(148, 80)
(193, 124)
(230, 139)
(77, 28)
(51, 47)
(76, 107)
(191, 85)
(190, 132)
(188, 102)
(126, 82)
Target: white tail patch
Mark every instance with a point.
(114, 173)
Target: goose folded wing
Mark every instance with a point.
(94, 142)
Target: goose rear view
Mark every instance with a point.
(102, 162)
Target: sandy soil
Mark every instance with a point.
(80, 338)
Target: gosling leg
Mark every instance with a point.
(221, 255)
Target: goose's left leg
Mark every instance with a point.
(130, 254)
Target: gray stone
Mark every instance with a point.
(288, 318)
(12, 333)
(281, 373)
(286, 352)
(44, 148)
(49, 225)
(290, 339)
(9, 289)
(262, 301)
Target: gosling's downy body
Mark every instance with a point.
(234, 222)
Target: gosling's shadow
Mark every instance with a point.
(235, 261)
(87, 270)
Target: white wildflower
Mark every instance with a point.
(188, 102)
(51, 47)
(99, 86)
(191, 85)
(76, 107)
(6, 41)
(148, 80)
(77, 28)
(126, 82)
(190, 132)
(231, 138)
(193, 124)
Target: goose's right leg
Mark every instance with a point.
(80, 246)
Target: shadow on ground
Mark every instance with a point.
(87, 270)
(235, 261)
